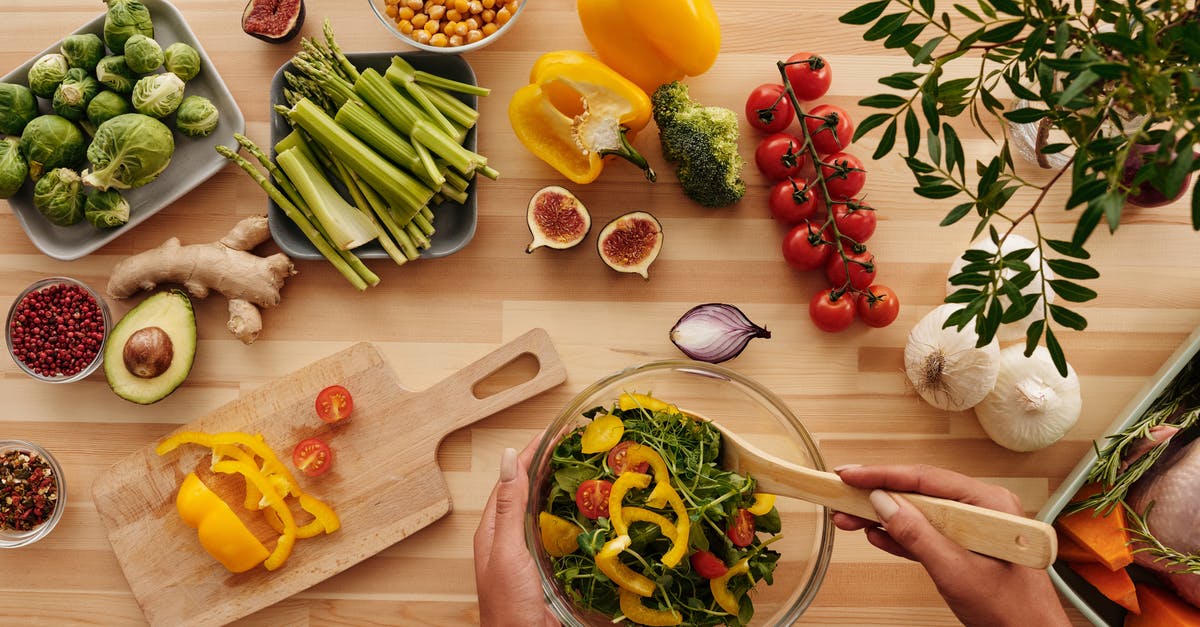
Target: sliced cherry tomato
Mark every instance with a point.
(779, 156)
(829, 314)
(855, 220)
(809, 75)
(768, 108)
(793, 200)
(858, 269)
(592, 498)
(334, 404)
(741, 528)
(844, 175)
(878, 306)
(830, 127)
(708, 565)
(803, 248)
(313, 457)
(618, 459)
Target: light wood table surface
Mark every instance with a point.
(433, 317)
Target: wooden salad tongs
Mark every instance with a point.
(1001, 535)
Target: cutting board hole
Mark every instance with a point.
(522, 368)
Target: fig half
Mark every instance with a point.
(556, 219)
(630, 243)
(274, 21)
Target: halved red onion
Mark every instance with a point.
(715, 332)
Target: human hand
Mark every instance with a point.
(506, 578)
(979, 590)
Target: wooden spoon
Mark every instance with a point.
(1001, 535)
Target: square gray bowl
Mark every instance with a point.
(194, 161)
(454, 224)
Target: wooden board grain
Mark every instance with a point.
(385, 483)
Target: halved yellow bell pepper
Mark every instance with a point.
(559, 536)
(616, 496)
(575, 111)
(652, 43)
(608, 560)
(720, 586)
(283, 546)
(221, 532)
(632, 608)
(601, 434)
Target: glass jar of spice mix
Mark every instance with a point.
(32, 493)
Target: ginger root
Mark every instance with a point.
(227, 266)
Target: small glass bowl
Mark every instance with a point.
(11, 539)
(755, 413)
(43, 284)
(378, 7)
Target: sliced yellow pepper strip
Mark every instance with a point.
(720, 586)
(608, 560)
(283, 547)
(559, 536)
(233, 451)
(635, 400)
(321, 512)
(762, 504)
(632, 608)
(638, 453)
(683, 526)
(219, 529)
(254, 443)
(616, 496)
(636, 514)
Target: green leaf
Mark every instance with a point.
(1003, 33)
(926, 51)
(1064, 247)
(1019, 254)
(1113, 204)
(1072, 292)
(1068, 318)
(963, 295)
(1033, 335)
(928, 6)
(937, 192)
(957, 213)
(977, 254)
(866, 13)
(1085, 191)
(1008, 6)
(1033, 44)
(1056, 353)
(918, 166)
(1086, 79)
(1019, 89)
(904, 35)
(987, 9)
(935, 146)
(954, 150)
(1087, 224)
(885, 26)
(912, 131)
(883, 101)
(971, 15)
(1027, 115)
(929, 108)
(869, 123)
(1023, 279)
(971, 279)
(901, 80)
(1180, 169)
(1072, 269)
(887, 141)
(987, 326)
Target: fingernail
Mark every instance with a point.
(884, 504)
(839, 469)
(508, 465)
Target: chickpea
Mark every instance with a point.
(475, 7)
(439, 40)
(432, 3)
(418, 20)
(487, 4)
(502, 16)
(421, 36)
(433, 26)
(462, 6)
(489, 29)
(456, 40)
(472, 23)
(406, 27)
(454, 15)
(406, 13)
(391, 11)
(474, 36)
(436, 12)
(487, 15)
(449, 28)
(416, 5)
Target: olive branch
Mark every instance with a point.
(1111, 76)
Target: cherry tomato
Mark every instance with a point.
(855, 220)
(793, 200)
(779, 156)
(829, 314)
(809, 80)
(878, 306)
(831, 130)
(768, 108)
(334, 403)
(803, 248)
(617, 459)
(708, 565)
(860, 266)
(313, 457)
(844, 175)
(741, 528)
(592, 498)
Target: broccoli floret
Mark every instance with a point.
(704, 142)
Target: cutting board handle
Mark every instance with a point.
(462, 407)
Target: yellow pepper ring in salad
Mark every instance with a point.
(608, 560)
(616, 496)
(632, 608)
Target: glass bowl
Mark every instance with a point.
(379, 7)
(11, 538)
(14, 322)
(750, 410)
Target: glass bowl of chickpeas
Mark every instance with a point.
(453, 26)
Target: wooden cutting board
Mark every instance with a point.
(385, 484)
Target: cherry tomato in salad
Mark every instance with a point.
(334, 404)
(809, 75)
(741, 528)
(844, 175)
(803, 248)
(831, 129)
(855, 220)
(313, 457)
(858, 269)
(592, 498)
(779, 156)
(618, 459)
(768, 108)
(793, 200)
(829, 314)
(878, 306)
(708, 565)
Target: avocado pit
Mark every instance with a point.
(148, 352)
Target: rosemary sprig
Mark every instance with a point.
(1182, 562)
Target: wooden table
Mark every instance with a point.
(433, 317)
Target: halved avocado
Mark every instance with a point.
(150, 351)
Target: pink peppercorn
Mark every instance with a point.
(57, 331)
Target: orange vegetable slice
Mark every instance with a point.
(1161, 608)
(1105, 536)
(1114, 584)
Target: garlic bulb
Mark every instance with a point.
(1013, 331)
(1032, 406)
(944, 365)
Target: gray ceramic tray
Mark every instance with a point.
(194, 161)
(454, 224)
(1093, 605)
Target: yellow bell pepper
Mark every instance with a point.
(221, 532)
(608, 560)
(616, 496)
(601, 434)
(629, 401)
(652, 43)
(632, 608)
(559, 536)
(683, 526)
(763, 503)
(720, 586)
(636, 514)
(283, 546)
(575, 111)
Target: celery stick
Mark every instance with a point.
(348, 227)
(455, 109)
(451, 193)
(351, 183)
(427, 164)
(406, 71)
(424, 224)
(380, 208)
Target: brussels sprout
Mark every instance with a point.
(124, 19)
(59, 196)
(197, 117)
(143, 55)
(72, 96)
(106, 209)
(113, 73)
(13, 168)
(83, 50)
(106, 106)
(51, 141)
(17, 107)
(129, 151)
(46, 73)
(158, 95)
(182, 60)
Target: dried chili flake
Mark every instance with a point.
(28, 492)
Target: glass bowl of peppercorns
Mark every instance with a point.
(32, 493)
(56, 330)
